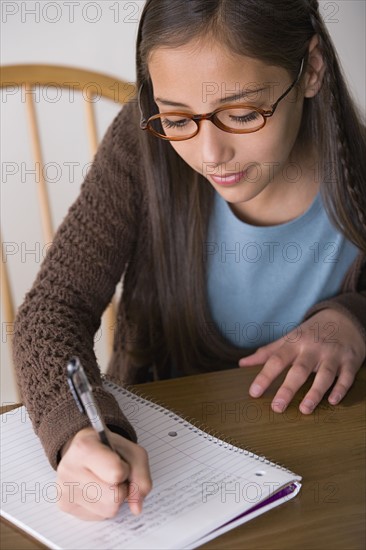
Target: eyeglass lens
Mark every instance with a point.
(237, 119)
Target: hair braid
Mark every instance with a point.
(351, 191)
(344, 152)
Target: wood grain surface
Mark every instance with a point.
(326, 448)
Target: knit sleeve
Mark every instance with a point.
(62, 311)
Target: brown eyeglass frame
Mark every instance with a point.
(145, 123)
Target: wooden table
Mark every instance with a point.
(326, 448)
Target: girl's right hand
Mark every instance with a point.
(95, 481)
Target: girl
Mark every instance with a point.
(231, 198)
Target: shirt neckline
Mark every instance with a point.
(292, 225)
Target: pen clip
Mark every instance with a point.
(73, 368)
(82, 393)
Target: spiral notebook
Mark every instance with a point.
(203, 486)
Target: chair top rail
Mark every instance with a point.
(93, 83)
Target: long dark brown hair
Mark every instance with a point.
(169, 302)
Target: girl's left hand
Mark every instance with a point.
(328, 343)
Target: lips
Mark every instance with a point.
(228, 179)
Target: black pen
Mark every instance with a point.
(83, 395)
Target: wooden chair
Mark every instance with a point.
(74, 79)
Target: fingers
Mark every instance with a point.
(303, 366)
(103, 463)
(90, 499)
(324, 378)
(327, 370)
(272, 368)
(260, 356)
(139, 478)
(344, 382)
(95, 480)
(86, 494)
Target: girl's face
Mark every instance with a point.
(201, 77)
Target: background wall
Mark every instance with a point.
(99, 36)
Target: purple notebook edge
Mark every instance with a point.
(288, 490)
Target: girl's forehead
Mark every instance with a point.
(203, 57)
(191, 69)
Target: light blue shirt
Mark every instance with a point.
(262, 280)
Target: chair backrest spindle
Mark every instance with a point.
(6, 294)
(91, 126)
(43, 198)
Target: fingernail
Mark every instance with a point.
(279, 405)
(308, 404)
(335, 399)
(255, 390)
(136, 508)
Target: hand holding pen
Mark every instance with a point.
(99, 469)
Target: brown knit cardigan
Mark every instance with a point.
(93, 248)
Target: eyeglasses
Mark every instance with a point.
(235, 119)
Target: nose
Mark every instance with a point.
(214, 145)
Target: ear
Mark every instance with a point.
(315, 69)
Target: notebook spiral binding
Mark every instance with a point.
(197, 427)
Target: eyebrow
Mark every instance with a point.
(227, 99)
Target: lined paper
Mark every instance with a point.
(200, 484)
